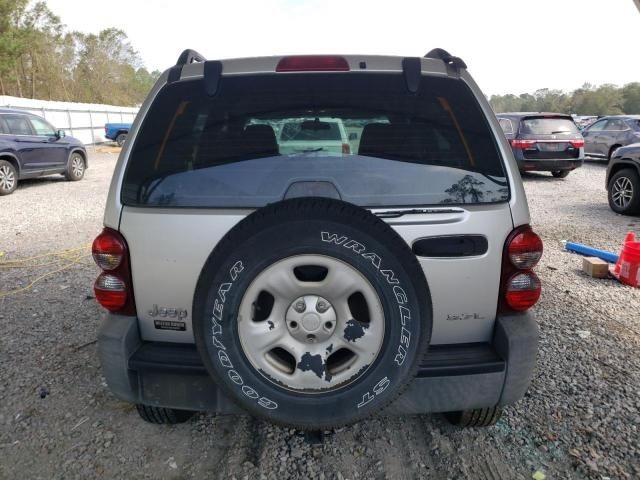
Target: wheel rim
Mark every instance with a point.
(311, 333)
(7, 178)
(77, 165)
(622, 192)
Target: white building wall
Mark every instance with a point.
(84, 121)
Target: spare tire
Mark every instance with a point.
(312, 313)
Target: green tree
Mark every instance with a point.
(631, 98)
(605, 99)
(40, 59)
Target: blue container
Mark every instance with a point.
(591, 252)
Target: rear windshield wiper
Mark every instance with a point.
(415, 211)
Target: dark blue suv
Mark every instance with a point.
(543, 141)
(31, 147)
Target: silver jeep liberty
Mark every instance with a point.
(383, 265)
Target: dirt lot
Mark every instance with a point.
(58, 419)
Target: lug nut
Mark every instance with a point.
(300, 306)
(322, 306)
(311, 338)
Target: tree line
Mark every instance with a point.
(588, 100)
(40, 58)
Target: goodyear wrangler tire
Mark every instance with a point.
(312, 313)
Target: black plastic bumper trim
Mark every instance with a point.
(172, 357)
(463, 359)
(439, 360)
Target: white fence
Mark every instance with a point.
(84, 121)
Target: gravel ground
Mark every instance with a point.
(58, 419)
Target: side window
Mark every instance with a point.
(598, 126)
(507, 126)
(3, 126)
(615, 124)
(18, 125)
(42, 127)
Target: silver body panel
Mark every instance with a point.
(168, 247)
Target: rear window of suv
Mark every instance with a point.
(223, 151)
(547, 126)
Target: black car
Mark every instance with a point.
(623, 180)
(31, 147)
(603, 137)
(548, 142)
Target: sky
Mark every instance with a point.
(510, 46)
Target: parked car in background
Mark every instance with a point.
(31, 147)
(603, 137)
(583, 121)
(623, 180)
(117, 132)
(310, 135)
(548, 142)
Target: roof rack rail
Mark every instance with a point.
(447, 58)
(190, 56)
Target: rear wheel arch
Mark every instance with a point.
(622, 165)
(12, 160)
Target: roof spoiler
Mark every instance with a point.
(440, 54)
(190, 56)
(212, 70)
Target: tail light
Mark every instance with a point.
(524, 249)
(523, 291)
(108, 250)
(113, 288)
(106, 130)
(577, 143)
(524, 144)
(346, 148)
(520, 288)
(313, 63)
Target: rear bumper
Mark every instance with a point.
(450, 377)
(550, 165)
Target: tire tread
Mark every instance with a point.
(477, 417)
(161, 415)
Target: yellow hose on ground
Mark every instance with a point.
(71, 257)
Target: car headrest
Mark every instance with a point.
(374, 139)
(414, 141)
(260, 140)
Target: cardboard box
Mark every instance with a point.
(595, 267)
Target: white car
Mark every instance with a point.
(315, 288)
(313, 135)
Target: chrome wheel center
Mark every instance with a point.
(311, 319)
